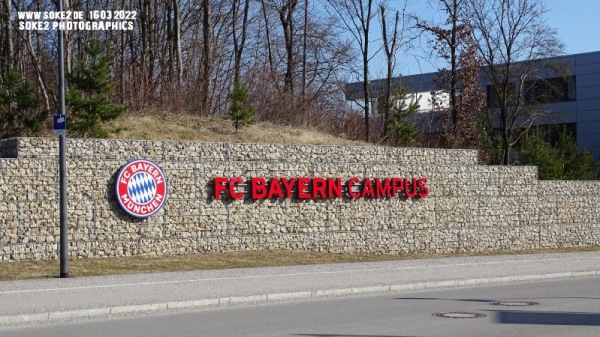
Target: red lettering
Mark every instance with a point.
(322, 188)
(220, 186)
(334, 187)
(367, 190)
(397, 186)
(382, 190)
(302, 185)
(234, 194)
(259, 190)
(407, 191)
(423, 190)
(275, 189)
(289, 186)
(349, 186)
(318, 188)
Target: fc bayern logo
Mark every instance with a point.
(141, 188)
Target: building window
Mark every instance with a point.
(493, 100)
(550, 90)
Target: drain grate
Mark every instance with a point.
(458, 315)
(514, 303)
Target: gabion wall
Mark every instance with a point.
(469, 207)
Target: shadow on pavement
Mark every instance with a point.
(564, 297)
(445, 299)
(343, 335)
(547, 318)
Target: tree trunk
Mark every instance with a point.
(170, 81)
(39, 76)
(178, 58)
(505, 146)
(144, 54)
(453, 64)
(304, 46)
(239, 42)
(207, 58)
(287, 23)
(366, 23)
(267, 36)
(390, 51)
(69, 43)
(8, 38)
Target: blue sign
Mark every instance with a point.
(59, 124)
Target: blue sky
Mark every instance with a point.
(577, 23)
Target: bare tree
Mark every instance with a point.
(304, 52)
(198, 49)
(239, 41)
(391, 46)
(454, 43)
(207, 57)
(286, 10)
(511, 35)
(177, 27)
(7, 59)
(356, 16)
(42, 85)
(267, 36)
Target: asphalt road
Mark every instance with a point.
(562, 308)
(50, 300)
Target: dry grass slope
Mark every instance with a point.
(178, 127)
(206, 261)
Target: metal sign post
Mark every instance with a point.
(62, 149)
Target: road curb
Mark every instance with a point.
(278, 297)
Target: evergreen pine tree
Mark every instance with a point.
(19, 107)
(577, 165)
(88, 95)
(240, 114)
(536, 151)
(560, 162)
(400, 132)
(586, 168)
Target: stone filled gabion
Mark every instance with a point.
(470, 208)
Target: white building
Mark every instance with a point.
(576, 105)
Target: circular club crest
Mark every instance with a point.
(141, 188)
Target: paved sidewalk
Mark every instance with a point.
(56, 299)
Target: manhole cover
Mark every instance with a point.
(514, 303)
(458, 315)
